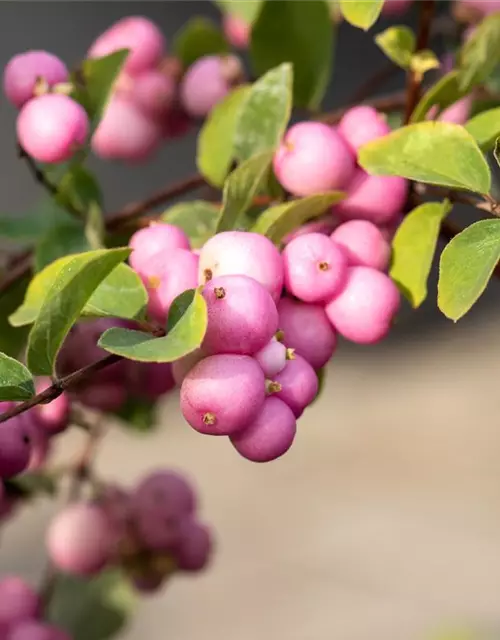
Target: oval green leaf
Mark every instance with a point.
(437, 153)
(63, 303)
(65, 237)
(197, 218)
(185, 336)
(361, 13)
(199, 37)
(480, 53)
(398, 43)
(413, 249)
(485, 128)
(16, 382)
(444, 93)
(466, 266)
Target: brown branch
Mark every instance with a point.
(390, 102)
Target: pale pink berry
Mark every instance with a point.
(80, 539)
(53, 416)
(272, 358)
(315, 267)
(18, 601)
(236, 30)
(153, 242)
(125, 132)
(222, 394)
(361, 125)
(363, 243)
(24, 70)
(181, 367)
(307, 330)
(296, 385)
(207, 82)
(141, 36)
(313, 158)
(243, 253)
(364, 310)
(153, 92)
(459, 112)
(195, 546)
(36, 630)
(270, 435)
(396, 7)
(242, 316)
(51, 127)
(375, 198)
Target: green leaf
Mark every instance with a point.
(96, 608)
(72, 288)
(264, 113)
(248, 10)
(30, 225)
(398, 43)
(480, 53)
(423, 61)
(281, 219)
(434, 152)
(413, 249)
(197, 218)
(138, 414)
(179, 307)
(466, 265)
(186, 335)
(66, 237)
(16, 382)
(12, 339)
(78, 189)
(95, 229)
(442, 94)
(300, 33)
(216, 139)
(241, 187)
(485, 128)
(496, 151)
(361, 13)
(29, 485)
(198, 37)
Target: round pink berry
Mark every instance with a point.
(195, 546)
(272, 357)
(15, 444)
(166, 492)
(363, 243)
(35, 630)
(270, 435)
(242, 316)
(24, 70)
(375, 198)
(396, 7)
(243, 253)
(154, 242)
(222, 394)
(153, 92)
(18, 601)
(50, 128)
(40, 441)
(361, 125)
(54, 416)
(459, 112)
(364, 310)
(296, 385)
(313, 158)
(236, 30)
(307, 330)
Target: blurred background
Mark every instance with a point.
(383, 521)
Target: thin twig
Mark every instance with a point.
(367, 88)
(387, 103)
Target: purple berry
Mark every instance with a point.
(364, 310)
(31, 630)
(307, 330)
(195, 546)
(270, 435)
(167, 492)
(25, 69)
(397, 7)
(296, 385)
(315, 267)
(148, 581)
(272, 358)
(15, 444)
(155, 530)
(40, 441)
(313, 158)
(50, 128)
(361, 125)
(222, 394)
(116, 503)
(363, 243)
(18, 601)
(54, 416)
(150, 380)
(106, 396)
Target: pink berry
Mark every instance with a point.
(50, 128)
(375, 198)
(315, 267)
(270, 435)
(236, 30)
(54, 416)
(222, 394)
(80, 539)
(15, 444)
(195, 547)
(155, 531)
(151, 244)
(307, 330)
(324, 225)
(167, 492)
(361, 125)
(148, 581)
(459, 112)
(24, 70)
(150, 380)
(207, 82)
(313, 158)
(272, 358)
(106, 397)
(40, 442)
(363, 243)
(365, 308)
(180, 368)
(34, 630)
(243, 253)
(153, 92)
(483, 7)
(141, 36)
(242, 316)
(296, 385)
(116, 503)
(18, 601)
(396, 7)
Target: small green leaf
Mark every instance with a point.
(138, 414)
(95, 229)
(216, 139)
(16, 382)
(179, 307)
(66, 237)
(197, 218)
(300, 33)
(247, 10)
(434, 152)
(29, 226)
(92, 608)
(12, 339)
(78, 189)
(198, 37)
(445, 92)
(361, 13)
(480, 53)
(424, 61)
(281, 219)
(32, 484)
(485, 128)
(398, 43)
(241, 187)
(63, 303)
(264, 113)
(186, 335)
(413, 249)
(466, 265)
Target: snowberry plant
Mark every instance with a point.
(312, 226)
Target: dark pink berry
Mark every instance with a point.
(15, 445)
(153, 92)
(53, 416)
(195, 546)
(165, 491)
(18, 601)
(24, 70)
(296, 385)
(34, 630)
